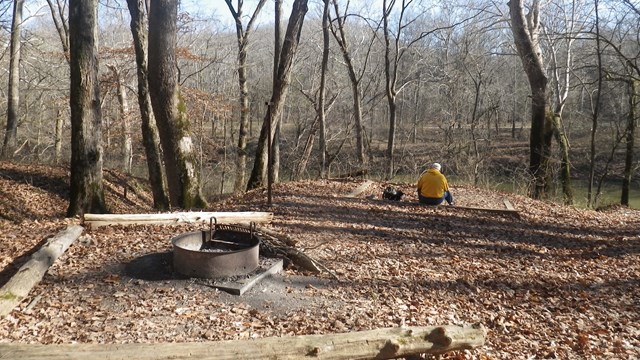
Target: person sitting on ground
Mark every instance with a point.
(433, 188)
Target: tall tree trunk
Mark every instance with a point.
(86, 191)
(169, 107)
(281, 86)
(561, 93)
(321, 100)
(591, 197)
(150, 138)
(58, 136)
(525, 33)
(391, 62)
(319, 106)
(565, 163)
(13, 90)
(274, 166)
(340, 35)
(631, 129)
(242, 36)
(123, 102)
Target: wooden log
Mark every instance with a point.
(507, 204)
(364, 186)
(387, 343)
(30, 274)
(240, 217)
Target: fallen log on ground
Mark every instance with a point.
(241, 217)
(360, 189)
(387, 343)
(30, 274)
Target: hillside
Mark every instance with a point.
(553, 282)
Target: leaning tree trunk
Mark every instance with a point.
(631, 128)
(150, 137)
(525, 33)
(87, 192)
(242, 37)
(341, 38)
(280, 88)
(13, 97)
(169, 108)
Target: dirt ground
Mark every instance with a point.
(552, 282)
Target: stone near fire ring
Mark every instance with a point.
(223, 251)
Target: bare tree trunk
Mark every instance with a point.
(57, 14)
(13, 89)
(591, 197)
(319, 106)
(340, 35)
(561, 92)
(150, 138)
(631, 129)
(87, 192)
(169, 108)
(58, 137)
(525, 32)
(565, 163)
(123, 102)
(274, 166)
(281, 86)
(242, 36)
(391, 61)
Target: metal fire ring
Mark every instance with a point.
(221, 251)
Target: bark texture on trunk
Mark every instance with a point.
(280, 88)
(169, 108)
(150, 138)
(630, 142)
(87, 192)
(565, 163)
(13, 89)
(525, 31)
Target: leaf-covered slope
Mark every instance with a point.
(555, 282)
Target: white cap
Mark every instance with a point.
(436, 166)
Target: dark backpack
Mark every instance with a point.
(390, 193)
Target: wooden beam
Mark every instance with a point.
(364, 186)
(387, 343)
(32, 272)
(499, 211)
(507, 204)
(241, 217)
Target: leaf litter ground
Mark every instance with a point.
(555, 282)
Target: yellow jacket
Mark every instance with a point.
(432, 184)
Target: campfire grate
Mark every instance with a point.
(221, 251)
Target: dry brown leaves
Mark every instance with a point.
(556, 282)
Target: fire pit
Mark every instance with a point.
(222, 251)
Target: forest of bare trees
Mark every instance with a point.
(534, 96)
